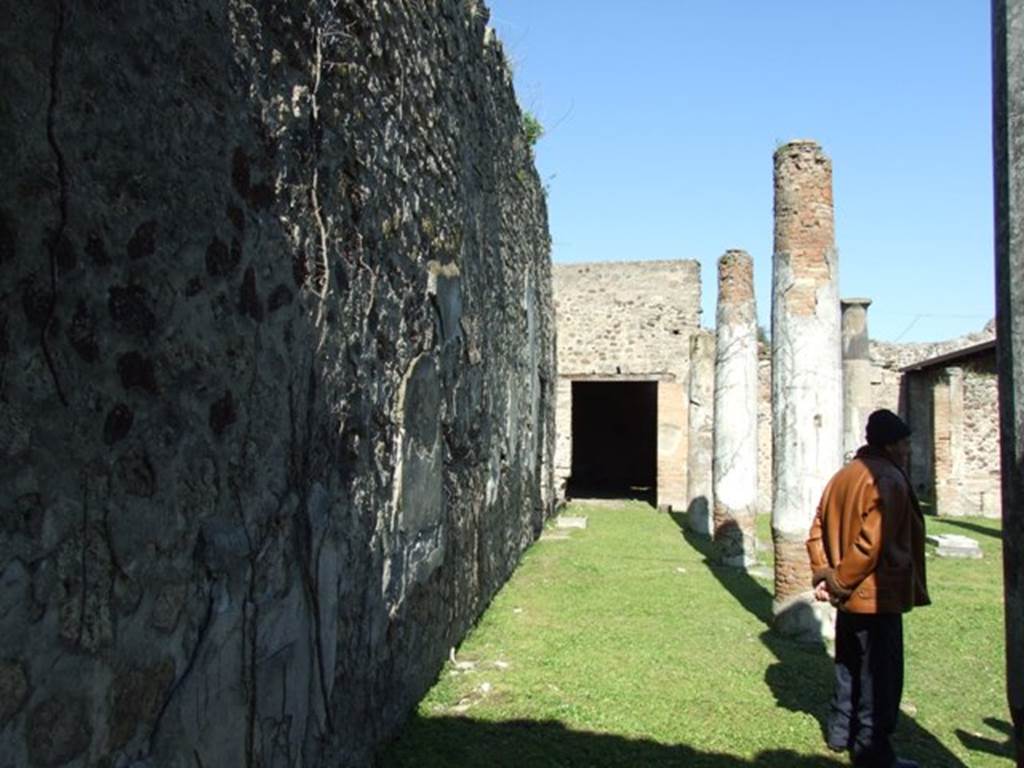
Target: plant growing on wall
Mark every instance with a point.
(532, 128)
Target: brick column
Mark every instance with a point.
(1008, 144)
(948, 435)
(735, 435)
(702, 410)
(857, 400)
(807, 397)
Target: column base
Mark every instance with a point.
(804, 619)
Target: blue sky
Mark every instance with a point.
(661, 118)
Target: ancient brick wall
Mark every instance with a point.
(626, 318)
(978, 484)
(981, 419)
(276, 371)
(630, 321)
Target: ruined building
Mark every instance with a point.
(624, 332)
(276, 372)
(624, 323)
(650, 405)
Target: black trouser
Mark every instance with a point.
(868, 686)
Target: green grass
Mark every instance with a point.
(621, 647)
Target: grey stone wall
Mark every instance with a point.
(911, 395)
(276, 370)
(981, 420)
(626, 318)
(630, 321)
(1008, 172)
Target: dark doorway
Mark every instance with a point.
(614, 440)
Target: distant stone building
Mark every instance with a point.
(947, 393)
(626, 396)
(624, 333)
(951, 402)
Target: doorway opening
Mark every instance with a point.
(614, 440)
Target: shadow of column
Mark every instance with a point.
(433, 742)
(801, 678)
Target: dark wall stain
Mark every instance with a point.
(249, 300)
(221, 261)
(143, 242)
(118, 423)
(96, 250)
(300, 268)
(136, 370)
(240, 172)
(8, 238)
(35, 301)
(135, 473)
(261, 196)
(65, 255)
(222, 413)
(279, 297)
(236, 217)
(82, 333)
(129, 309)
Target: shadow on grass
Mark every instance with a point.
(977, 743)
(801, 679)
(994, 533)
(456, 741)
(610, 491)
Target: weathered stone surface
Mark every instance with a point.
(278, 371)
(138, 695)
(58, 730)
(735, 431)
(807, 398)
(700, 477)
(13, 690)
(1008, 113)
(858, 373)
(630, 321)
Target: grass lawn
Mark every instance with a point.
(620, 646)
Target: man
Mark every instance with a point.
(867, 556)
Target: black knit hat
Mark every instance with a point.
(885, 428)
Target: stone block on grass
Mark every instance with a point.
(955, 545)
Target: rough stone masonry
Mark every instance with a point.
(1007, 120)
(276, 369)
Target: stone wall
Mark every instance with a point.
(630, 321)
(276, 372)
(981, 421)
(977, 482)
(626, 318)
(955, 455)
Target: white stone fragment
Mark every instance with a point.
(955, 545)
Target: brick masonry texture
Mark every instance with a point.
(804, 229)
(792, 568)
(736, 285)
(626, 318)
(276, 371)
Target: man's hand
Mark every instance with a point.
(821, 593)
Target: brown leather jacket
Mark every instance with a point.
(867, 539)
